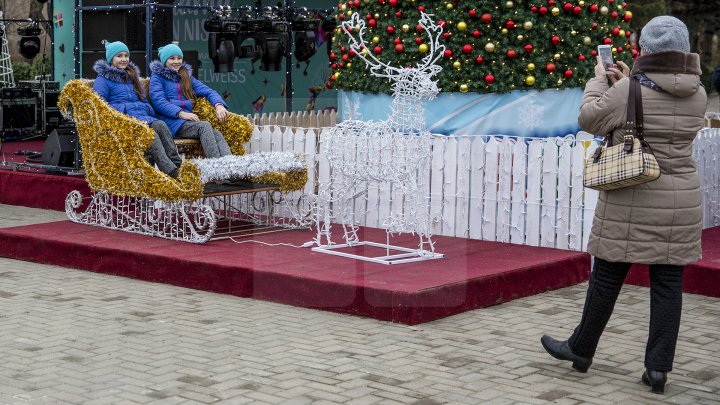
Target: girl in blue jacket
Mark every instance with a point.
(173, 90)
(118, 83)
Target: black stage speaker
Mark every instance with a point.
(62, 148)
(126, 25)
(18, 117)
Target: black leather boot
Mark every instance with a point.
(561, 350)
(656, 380)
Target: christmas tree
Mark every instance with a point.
(491, 46)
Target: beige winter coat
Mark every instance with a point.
(657, 222)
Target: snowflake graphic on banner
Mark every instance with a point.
(532, 115)
(351, 108)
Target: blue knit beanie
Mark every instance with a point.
(114, 48)
(165, 52)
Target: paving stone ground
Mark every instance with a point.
(76, 337)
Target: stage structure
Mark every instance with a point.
(394, 153)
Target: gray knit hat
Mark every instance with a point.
(664, 33)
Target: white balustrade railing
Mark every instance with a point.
(507, 189)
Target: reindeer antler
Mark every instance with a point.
(436, 49)
(357, 45)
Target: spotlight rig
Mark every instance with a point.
(270, 29)
(29, 40)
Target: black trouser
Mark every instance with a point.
(606, 281)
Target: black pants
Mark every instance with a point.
(606, 281)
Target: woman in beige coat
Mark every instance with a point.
(656, 223)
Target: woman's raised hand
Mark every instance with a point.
(221, 112)
(618, 74)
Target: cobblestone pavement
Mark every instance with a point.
(77, 337)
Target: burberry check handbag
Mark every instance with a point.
(628, 164)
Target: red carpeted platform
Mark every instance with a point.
(474, 273)
(34, 188)
(701, 277)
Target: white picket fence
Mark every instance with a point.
(516, 190)
(296, 119)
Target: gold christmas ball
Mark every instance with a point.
(531, 66)
(573, 32)
(348, 65)
(336, 74)
(509, 4)
(449, 6)
(520, 37)
(504, 31)
(528, 25)
(628, 13)
(457, 64)
(376, 40)
(463, 88)
(530, 80)
(619, 7)
(489, 47)
(581, 3)
(461, 26)
(555, 11)
(557, 56)
(622, 33)
(614, 50)
(587, 40)
(423, 48)
(364, 51)
(343, 7)
(405, 28)
(349, 13)
(366, 1)
(376, 15)
(603, 10)
(560, 82)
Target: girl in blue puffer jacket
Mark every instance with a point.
(172, 92)
(118, 83)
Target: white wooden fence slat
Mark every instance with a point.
(450, 186)
(576, 197)
(519, 184)
(548, 199)
(505, 186)
(534, 182)
(276, 144)
(591, 197)
(462, 217)
(489, 218)
(477, 187)
(562, 222)
(436, 185)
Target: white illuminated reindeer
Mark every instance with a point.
(396, 151)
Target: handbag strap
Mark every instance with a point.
(633, 122)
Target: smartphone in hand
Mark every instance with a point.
(605, 52)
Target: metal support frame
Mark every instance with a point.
(410, 255)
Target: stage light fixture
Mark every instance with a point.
(222, 52)
(29, 42)
(273, 50)
(304, 45)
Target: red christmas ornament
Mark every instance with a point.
(399, 48)
(343, 50)
(634, 52)
(627, 17)
(476, 34)
(568, 74)
(486, 18)
(393, 3)
(510, 53)
(555, 40)
(611, 1)
(345, 58)
(467, 48)
(510, 24)
(593, 52)
(567, 6)
(620, 48)
(381, 2)
(334, 66)
(577, 10)
(357, 3)
(614, 15)
(368, 16)
(332, 78)
(593, 8)
(421, 9)
(479, 60)
(472, 13)
(441, 23)
(328, 85)
(446, 35)
(398, 14)
(419, 28)
(447, 53)
(615, 31)
(418, 40)
(624, 4)
(551, 3)
(352, 53)
(378, 49)
(333, 56)
(534, 9)
(581, 58)
(528, 48)
(489, 79)
(372, 23)
(342, 16)
(350, 4)
(397, 41)
(593, 26)
(550, 67)
(543, 10)
(628, 33)
(390, 30)
(607, 41)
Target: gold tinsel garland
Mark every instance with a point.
(113, 147)
(236, 129)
